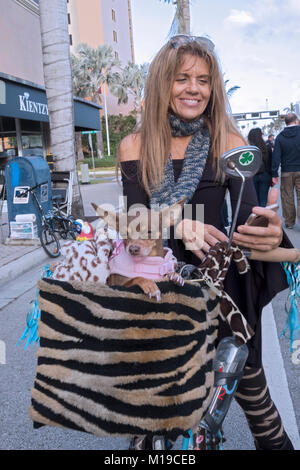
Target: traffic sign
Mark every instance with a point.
(256, 115)
(89, 132)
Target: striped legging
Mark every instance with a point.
(263, 418)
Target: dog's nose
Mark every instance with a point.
(134, 250)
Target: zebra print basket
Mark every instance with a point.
(112, 362)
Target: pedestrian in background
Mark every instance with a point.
(270, 141)
(287, 155)
(262, 179)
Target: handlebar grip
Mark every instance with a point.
(279, 254)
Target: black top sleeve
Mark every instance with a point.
(132, 187)
(252, 291)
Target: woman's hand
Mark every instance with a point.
(262, 238)
(198, 237)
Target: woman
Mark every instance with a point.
(175, 154)
(263, 179)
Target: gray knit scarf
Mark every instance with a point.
(195, 157)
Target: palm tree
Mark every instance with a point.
(58, 84)
(92, 70)
(230, 91)
(132, 81)
(290, 109)
(181, 23)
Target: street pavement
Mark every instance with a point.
(20, 269)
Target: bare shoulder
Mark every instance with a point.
(129, 148)
(235, 140)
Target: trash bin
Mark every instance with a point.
(21, 173)
(85, 176)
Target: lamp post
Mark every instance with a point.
(92, 150)
(105, 114)
(267, 104)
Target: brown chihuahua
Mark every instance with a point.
(139, 257)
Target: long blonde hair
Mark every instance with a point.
(155, 129)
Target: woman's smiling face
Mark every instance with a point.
(191, 88)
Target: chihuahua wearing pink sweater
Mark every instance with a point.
(140, 258)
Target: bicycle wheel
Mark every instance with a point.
(148, 443)
(74, 229)
(60, 226)
(203, 440)
(71, 228)
(67, 227)
(49, 242)
(215, 442)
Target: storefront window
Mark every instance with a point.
(31, 138)
(8, 139)
(8, 145)
(32, 142)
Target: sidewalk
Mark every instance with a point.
(17, 259)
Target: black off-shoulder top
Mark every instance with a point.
(251, 291)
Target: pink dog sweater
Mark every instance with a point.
(149, 267)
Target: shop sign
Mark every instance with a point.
(24, 102)
(32, 106)
(18, 100)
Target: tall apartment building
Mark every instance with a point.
(24, 120)
(98, 22)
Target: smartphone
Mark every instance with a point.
(260, 220)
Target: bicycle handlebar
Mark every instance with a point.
(23, 193)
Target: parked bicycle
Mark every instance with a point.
(53, 224)
(65, 226)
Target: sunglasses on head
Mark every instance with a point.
(182, 39)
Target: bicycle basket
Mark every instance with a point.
(113, 362)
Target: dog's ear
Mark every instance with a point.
(171, 214)
(111, 218)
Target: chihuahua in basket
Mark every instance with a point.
(140, 258)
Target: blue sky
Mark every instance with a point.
(258, 43)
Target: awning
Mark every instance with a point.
(25, 100)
